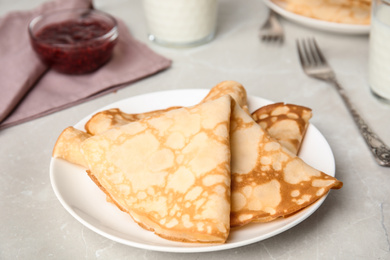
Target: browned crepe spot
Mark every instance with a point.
(287, 123)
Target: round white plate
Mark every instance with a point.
(87, 203)
(319, 24)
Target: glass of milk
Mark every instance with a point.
(379, 54)
(181, 23)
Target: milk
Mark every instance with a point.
(379, 55)
(181, 22)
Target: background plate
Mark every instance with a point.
(319, 24)
(87, 203)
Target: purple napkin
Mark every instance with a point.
(28, 89)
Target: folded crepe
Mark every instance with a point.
(287, 123)
(337, 11)
(268, 181)
(170, 172)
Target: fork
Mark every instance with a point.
(272, 30)
(315, 65)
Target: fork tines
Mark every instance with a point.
(313, 61)
(272, 30)
(309, 52)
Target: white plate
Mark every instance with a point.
(319, 24)
(87, 203)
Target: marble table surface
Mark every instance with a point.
(352, 223)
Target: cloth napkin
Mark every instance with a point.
(29, 90)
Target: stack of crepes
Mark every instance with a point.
(191, 173)
(338, 11)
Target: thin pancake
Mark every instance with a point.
(337, 11)
(287, 123)
(170, 172)
(268, 181)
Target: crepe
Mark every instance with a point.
(338, 11)
(232, 88)
(170, 172)
(268, 181)
(68, 144)
(287, 123)
(110, 118)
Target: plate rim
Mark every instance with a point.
(319, 24)
(307, 212)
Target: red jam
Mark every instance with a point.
(74, 47)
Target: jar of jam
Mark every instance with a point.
(74, 41)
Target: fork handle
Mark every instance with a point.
(379, 149)
(274, 20)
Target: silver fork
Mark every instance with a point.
(272, 30)
(315, 65)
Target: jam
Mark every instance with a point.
(75, 46)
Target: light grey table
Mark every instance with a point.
(352, 223)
